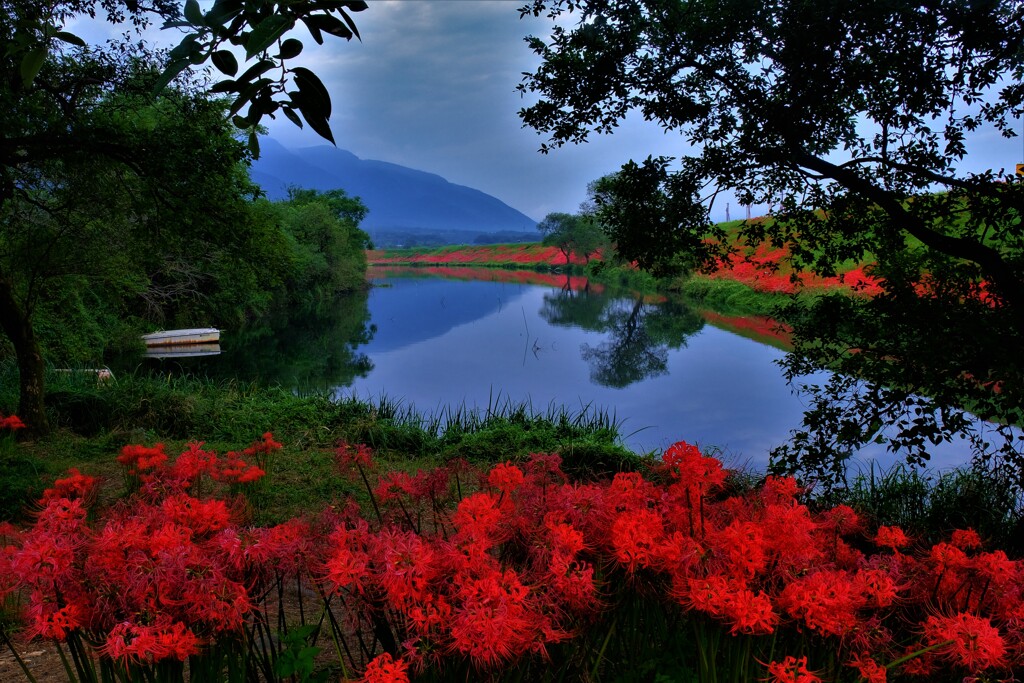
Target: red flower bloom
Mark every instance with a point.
(891, 537)
(791, 670)
(11, 422)
(506, 477)
(492, 624)
(53, 624)
(75, 485)
(976, 644)
(478, 516)
(826, 600)
(136, 643)
(635, 538)
(349, 458)
(385, 669)
(870, 670)
(966, 539)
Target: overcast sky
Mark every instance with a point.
(432, 86)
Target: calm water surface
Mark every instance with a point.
(664, 372)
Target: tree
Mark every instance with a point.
(574, 235)
(50, 80)
(327, 248)
(858, 132)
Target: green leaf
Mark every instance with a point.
(185, 48)
(291, 115)
(254, 145)
(317, 123)
(31, 63)
(329, 23)
(312, 90)
(169, 74)
(351, 23)
(225, 86)
(225, 62)
(265, 33)
(193, 14)
(313, 30)
(290, 48)
(69, 38)
(223, 11)
(258, 69)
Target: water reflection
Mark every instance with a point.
(639, 333)
(302, 350)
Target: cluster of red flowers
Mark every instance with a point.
(150, 463)
(518, 254)
(764, 270)
(11, 422)
(491, 568)
(520, 276)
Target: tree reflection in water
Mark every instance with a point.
(640, 333)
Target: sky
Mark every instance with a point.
(432, 86)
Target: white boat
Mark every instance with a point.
(197, 335)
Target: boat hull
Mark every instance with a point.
(199, 335)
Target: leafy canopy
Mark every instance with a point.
(853, 119)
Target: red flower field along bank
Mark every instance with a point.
(519, 276)
(762, 269)
(498, 254)
(516, 571)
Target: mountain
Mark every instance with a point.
(401, 200)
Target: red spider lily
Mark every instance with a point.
(870, 671)
(965, 539)
(506, 477)
(201, 516)
(493, 623)
(135, 644)
(12, 422)
(635, 537)
(826, 601)
(385, 669)
(406, 566)
(478, 517)
(519, 565)
(791, 670)
(285, 549)
(749, 612)
(394, 484)
(75, 485)
(52, 623)
(265, 446)
(234, 470)
(193, 463)
(349, 457)
(876, 586)
(891, 537)
(141, 460)
(971, 641)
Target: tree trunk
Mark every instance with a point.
(18, 328)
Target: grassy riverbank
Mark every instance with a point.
(609, 561)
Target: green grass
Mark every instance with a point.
(727, 297)
(928, 505)
(94, 421)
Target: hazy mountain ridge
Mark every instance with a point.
(400, 199)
